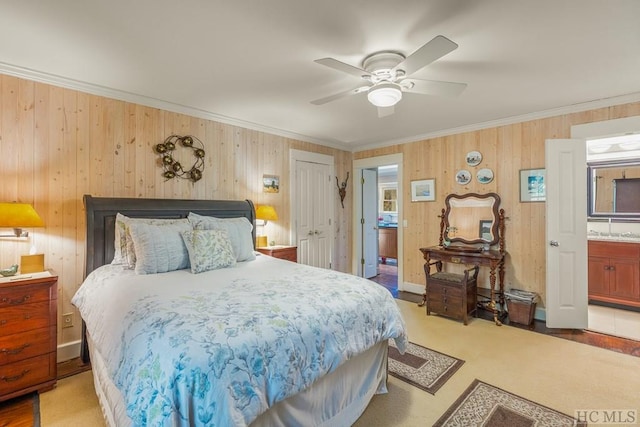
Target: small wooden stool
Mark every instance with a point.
(451, 294)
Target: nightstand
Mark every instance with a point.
(28, 340)
(290, 253)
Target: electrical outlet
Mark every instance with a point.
(67, 320)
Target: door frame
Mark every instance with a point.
(601, 129)
(308, 156)
(368, 163)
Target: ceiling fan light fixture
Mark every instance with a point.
(385, 94)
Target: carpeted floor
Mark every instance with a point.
(563, 375)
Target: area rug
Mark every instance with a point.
(424, 368)
(485, 405)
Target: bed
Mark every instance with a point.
(258, 341)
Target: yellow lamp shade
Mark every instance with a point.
(19, 215)
(266, 213)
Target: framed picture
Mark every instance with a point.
(423, 190)
(485, 229)
(270, 183)
(533, 187)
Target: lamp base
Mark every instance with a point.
(261, 241)
(31, 263)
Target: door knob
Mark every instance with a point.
(310, 233)
(318, 232)
(554, 243)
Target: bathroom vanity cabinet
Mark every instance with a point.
(387, 243)
(614, 272)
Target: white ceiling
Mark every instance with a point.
(251, 62)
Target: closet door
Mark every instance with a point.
(313, 204)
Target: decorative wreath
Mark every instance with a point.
(173, 168)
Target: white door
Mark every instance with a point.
(566, 187)
(313, 208)
(370, 222)
(357, 254)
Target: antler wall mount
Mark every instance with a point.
(342, 189)
(172, 167)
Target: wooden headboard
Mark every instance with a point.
(101, 219)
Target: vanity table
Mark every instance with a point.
(472, 234)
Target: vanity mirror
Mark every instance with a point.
(614, 189)
(471, 219)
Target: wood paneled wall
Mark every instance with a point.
(506, 150)
(59, 144)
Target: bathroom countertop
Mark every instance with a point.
(390, 225)
(615, 238)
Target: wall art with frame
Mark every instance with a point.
(423, 190)
(533, 186)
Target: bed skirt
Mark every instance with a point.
(337, 399)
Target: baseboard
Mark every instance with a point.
(69, 350)
(413, 288)
(539, 314)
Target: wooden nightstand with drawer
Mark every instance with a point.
(290, 253)
(28, 335)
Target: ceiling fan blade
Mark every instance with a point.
(340, 95)
(341, 66)
(385, 111)
(429, 52)
(432, 87)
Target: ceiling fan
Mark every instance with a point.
(386, 75)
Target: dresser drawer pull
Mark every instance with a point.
(17, 301)
(3, 322)
(14, 350)
(16, 378)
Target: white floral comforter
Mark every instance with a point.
(221, 347)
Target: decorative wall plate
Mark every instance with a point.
(474, 158)
(463, 177)
(484, 176)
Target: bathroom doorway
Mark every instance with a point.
(390, 273)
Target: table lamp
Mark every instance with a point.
(18, 216)
(265, 213)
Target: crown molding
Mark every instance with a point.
(569, 109)
(41, 77)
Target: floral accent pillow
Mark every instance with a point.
(208, 250)
(239, 230)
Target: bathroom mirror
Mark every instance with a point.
(614, 189)
(472, 218)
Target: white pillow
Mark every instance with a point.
(124, 252)
(159, 248)
(208, 250)
(239, 230)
